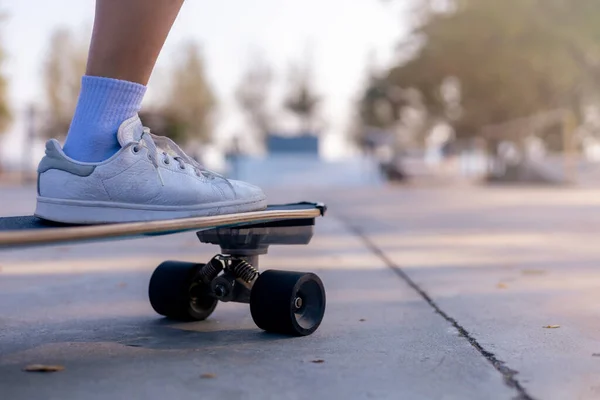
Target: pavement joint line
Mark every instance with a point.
(507, 373)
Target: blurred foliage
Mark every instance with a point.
(5, 112)
(481, 62)
(252, 95)
(302, 99)
(189, 103)
(62, 71)
(379, 107)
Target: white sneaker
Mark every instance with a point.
(150, 178)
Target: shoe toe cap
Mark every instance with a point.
(247, 191)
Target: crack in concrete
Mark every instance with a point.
(507, 373)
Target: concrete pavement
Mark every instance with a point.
(502, 264)
(432, 294)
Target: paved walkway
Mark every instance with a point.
(432, 294)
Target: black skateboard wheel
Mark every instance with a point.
(175, 294)
(291, 303)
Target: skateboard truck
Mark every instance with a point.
(234, 284)
(280, 301)
(240, 248)
(248, 242)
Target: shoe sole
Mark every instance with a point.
(100, 212)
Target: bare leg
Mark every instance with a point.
(127, 38)
(128, 35)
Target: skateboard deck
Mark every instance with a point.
(28, 230)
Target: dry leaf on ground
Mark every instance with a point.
(43, 368)
(208, 376)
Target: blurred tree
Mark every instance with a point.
(481, 62)
(376, 107)
(189, 102)
(375, 111)
(381, 102)
(252, 95)
(5, 114)
(65, 64)
(302, 99)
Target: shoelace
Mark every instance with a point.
(162, 145)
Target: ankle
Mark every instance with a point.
(104, 103)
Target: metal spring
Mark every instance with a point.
(243, 270)
(211, 270)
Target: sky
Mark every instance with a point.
(342, 35)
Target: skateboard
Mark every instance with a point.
(284, 302)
